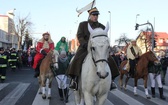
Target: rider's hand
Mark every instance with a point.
(43, 52)
(136, 56)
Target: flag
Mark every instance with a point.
(87, 7)
(10, 13)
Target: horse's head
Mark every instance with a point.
(55, 56)
(98, 47)
(152, 57)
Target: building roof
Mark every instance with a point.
(162, 35)
(159, 34)
(3, 16)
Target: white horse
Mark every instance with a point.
(95, 77)
(46, 75)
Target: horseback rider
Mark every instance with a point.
(83, 37)
(44, 45)
(133, 53)
(62, 45)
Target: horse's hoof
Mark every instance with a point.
(148, 97)
(135, 94)
(40, 92)
(44, 97)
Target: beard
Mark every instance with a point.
(46, 39)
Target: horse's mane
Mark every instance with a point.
(147, 53)
(49, 55)
(55, 52)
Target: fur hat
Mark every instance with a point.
(46, 33)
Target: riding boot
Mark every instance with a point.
(37, 73)
(113, 86)
(153, 91)
(74, 83)
(114, 72)
(161, 94)
(113, 67)
(60, 94)
(66, 95)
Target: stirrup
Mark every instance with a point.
(73, 85)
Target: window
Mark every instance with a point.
(160, 40)
(167, 40)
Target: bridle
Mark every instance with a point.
(92, 48)
(54, 60)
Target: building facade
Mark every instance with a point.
(8, 38)
(161, 38)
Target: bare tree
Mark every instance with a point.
(22, 24)
(123, 39)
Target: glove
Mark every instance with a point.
(43, 52)
(85, 45)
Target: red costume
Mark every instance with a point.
(42, 45)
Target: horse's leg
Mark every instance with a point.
(77, 97)
(121, 79)
(88, 98)
(126, 81)
(135, 86)
(49, 87)
(39, 80)
(145, 86)
(101, 100)
(82, 98)
(43, 85)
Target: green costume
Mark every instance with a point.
(62, 45)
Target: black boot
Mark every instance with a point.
(113, 86)
(37, 73)
(2, 80)
(153, 91)
(60, 94)
(74, 83)
(66, 95)
(161, 94)
(163, 82)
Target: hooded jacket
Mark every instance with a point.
(62, 45)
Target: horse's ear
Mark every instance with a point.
(107, 27)
(90, 28)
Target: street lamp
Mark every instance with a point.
(110, 26)
(136, 18)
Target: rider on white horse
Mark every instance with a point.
(83, 36)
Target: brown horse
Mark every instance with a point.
(141, 71)
(46, 72)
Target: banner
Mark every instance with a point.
(87, 7)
